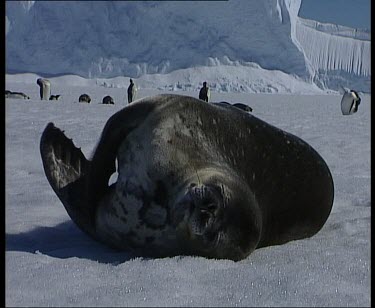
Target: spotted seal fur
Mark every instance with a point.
(193, 179)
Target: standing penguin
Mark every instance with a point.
(204, 93)
(45, 88)
(132, 91)
(350, 102)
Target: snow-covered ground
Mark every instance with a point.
(50, 262)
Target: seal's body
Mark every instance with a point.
(18, 95)
(237, 105)
(193, 178)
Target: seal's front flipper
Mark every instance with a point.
(66, 169)
(62, 161)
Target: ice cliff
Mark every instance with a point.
(337, 55)
(103, 39)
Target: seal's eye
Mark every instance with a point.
(205, 207)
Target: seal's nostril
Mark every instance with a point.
(212, 207)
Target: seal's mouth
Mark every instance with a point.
(204, 204)
(215, 220)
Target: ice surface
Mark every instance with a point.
(50, 262)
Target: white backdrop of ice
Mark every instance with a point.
(106, 39)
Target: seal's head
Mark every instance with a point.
(221, 219)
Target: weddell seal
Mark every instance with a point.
(239, 106)
(18, 95)
(192, 179)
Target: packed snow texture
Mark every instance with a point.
(105, 39)
(50, 262)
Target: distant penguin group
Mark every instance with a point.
(107, 100)
(83, 98)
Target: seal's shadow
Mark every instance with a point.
(64, 240)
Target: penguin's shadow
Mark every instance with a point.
(64, 240)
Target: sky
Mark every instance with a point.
(50, 262)
(349, 13)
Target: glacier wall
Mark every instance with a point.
(105, 39)
(335, 53)
(132, 38)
